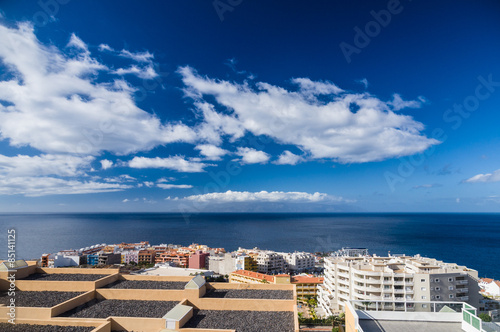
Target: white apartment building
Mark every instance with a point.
(350, 252)
(298, 261)
(396, 280)
(270, 262)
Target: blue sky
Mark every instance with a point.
(375, 106)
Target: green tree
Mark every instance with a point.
(485, 317)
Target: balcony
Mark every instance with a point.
(463, 298)
(462, 290)
(462, 282)
(372, 281)
(387, 282)
(409, 291)
(399, 282)
(409, 283)
(342, 274)
(399, 291)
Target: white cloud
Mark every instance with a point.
(54, 104)
(106, 164)
(252, 156)
(121, 179)
(176, 163)
(363, 81)
(489, 177)
(144, 73)
(312, 88)
(42, 186)
(398, 103)
(264, 196)
(125, 200)
(288, 158)
(45, 164)
(74, 41)
(174, 186)
(105, 47)
(138, 56)
(211, 152)
(149, 184)
(325, 129)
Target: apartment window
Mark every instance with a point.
(423, 288)
(438, 288)
(432, 288)
(450, 279)
(424, 305)
(422, 280)
(450, 288)
(437, 280)
(438, 297)
(432, 297)
(451, 296)
(424, 297)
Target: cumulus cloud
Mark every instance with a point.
(42, 186)
(46, 164)
(489, 177)
(52, 101)
(288, 158)
(106, 164)
(211, 152)
(263, 196)
(324, 127)
(176, 163)
(252, 156)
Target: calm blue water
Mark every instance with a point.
(467, 239)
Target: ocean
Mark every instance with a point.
(466, 239)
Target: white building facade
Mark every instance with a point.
(396, 280)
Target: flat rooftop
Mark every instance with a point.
(242, 321)
(369, 325)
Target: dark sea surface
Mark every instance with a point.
(466, 239)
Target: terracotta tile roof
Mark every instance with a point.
(306, 280)
(254, 275)
(486, 280)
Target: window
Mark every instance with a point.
(423, 288)
(450, 288)
(438, 297)
(432, 297)
(422, 280)
(424, 305)
(424, 297)
(438, 288)
(450, 279)
(437, 280)
(451, 296)
(432, 288)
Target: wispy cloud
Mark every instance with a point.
(488, 177)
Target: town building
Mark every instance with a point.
(146, 257)
(299, 261)
(199, 260)
(490, 287)
(350, 252)
(174, 258)
(270, 262)
(130, 256)
(306, 285)
(400, 279)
